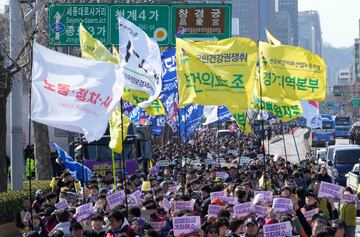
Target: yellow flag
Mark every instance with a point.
(241, 119)
(135, 97)
(217, 72)
(284, 109)
(271, 39)
(291, 72)
(115, 130)
(94, 49)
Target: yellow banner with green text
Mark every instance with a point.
(217, 72)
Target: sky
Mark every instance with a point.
(339, 19)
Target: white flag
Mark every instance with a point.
(141, 61)
(311, 112)
(73, 93)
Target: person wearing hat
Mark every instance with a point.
(39, 200)
(251, 227)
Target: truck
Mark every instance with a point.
(353, 178)
(343, 126)
(325, 134)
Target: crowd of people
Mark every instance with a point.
(212, 179)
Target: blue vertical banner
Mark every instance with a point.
(168, 94)
(190, 120)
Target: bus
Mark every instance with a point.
(343, 126)
(325, 134)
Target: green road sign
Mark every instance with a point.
(64, 21)
(202, 22)
(355, 102)
(160, 22)
(153, 19)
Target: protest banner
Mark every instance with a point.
(309, 214)
(184, 205)
(209, 69)
(222, 175)
(264, 197)
(244, 209)
(85, 211)
(146, 186)
(221, 195)
(282, 229)
(69, 93)
(261, 211)
(157, 225)
(214, 210)
(186, 224)
(116, 199)
(166, 205)
(291, 72)
(282, 205)
(231, 200)
(329, 190)
(163, 163)
(244, 160)
(62, 204)
(349, 198)
(173, 189)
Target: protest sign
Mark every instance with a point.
(208, 161)
(260, 156)
(349, 198)
(146, 186)
(136, 194)
(221, 195)
(163, 163)
(244, 209)
(233, 152)
(116, 199)
(264, 197)
(231, 200)
(62, 204)
(244, 160)
(83, 212)
(282, 229)
(186, 224)
(261, 211)
(222, 175)
(329, 190)
(309, 214)
(184, 205)
(166, 205)
(214, 210)
(173, 189)
(157, 225)
(282, 205)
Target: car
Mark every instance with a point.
(341, 162)
(321, 156)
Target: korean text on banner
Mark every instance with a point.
(329, 190)
(216, 73)
(141, 61)
(115, 128)
(186, 224)
(291, 72)
(240, 116)
(93, 49)
(73, 93)
(283, 229)
(284, 109)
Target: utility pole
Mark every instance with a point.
(16, 130)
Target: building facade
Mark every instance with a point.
(310, 32)
(291, 8)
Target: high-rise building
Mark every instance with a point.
(357, 60)
(283, 27)
(291, 7)
(310, 31)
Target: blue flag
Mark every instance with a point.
(169, 96)
(73, 166)
(223, 113)
(191, 116)
(157, 124)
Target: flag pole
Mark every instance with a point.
(218, 126)
(123, 155)
(113, 167)
(262, 119)
(82, 167)
(298, 155)
(29, 144)
(283, 135)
